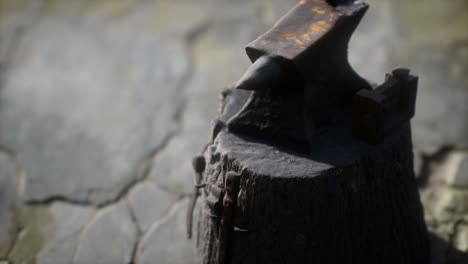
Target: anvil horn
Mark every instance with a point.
(313, 37)
(266, 72)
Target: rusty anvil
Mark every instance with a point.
(300, 78)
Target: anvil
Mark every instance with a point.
(300, 75)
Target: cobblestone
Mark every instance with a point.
(109, 238)
(149, 204)
(172, 233)
(84, 112)
(104, 103)
(69, 221)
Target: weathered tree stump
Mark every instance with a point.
(347, 202)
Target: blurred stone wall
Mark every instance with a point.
(103, 104)
(433, 41)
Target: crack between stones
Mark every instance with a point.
(76, 235)
(58, 198)
(145, 166)
(79, 236)
(164, 219)
(137, 225)
(143, 169)
(190, 39)
(124, 195)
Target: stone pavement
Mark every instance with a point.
(103, 104)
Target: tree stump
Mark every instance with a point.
(346, 202)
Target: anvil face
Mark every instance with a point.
(310, 41)
(303, 26)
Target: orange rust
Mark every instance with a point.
(292, 37)
(332, 16)
(306, 36)
(320, 26)
(318, 10)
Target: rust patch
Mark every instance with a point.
(313, 32)
(292, 37)
(318, 10)
(334, 15)
(302, 27)
(320, 26)
(306, 36)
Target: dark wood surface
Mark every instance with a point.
(347, 202)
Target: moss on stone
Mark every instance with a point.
(8, 244)
(36, 224)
